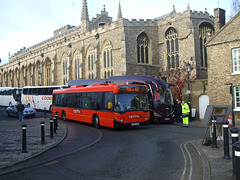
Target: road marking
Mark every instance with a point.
(185, 162)
(51, 163)
(183, 147)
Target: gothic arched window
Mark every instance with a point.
(204, 30)
(107, 59)
(64, 68)
(90, 60)
(172, 48)
(77, 65)
(48, 72)
(143, 49)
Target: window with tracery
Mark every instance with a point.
(107, 58)
(204, 30)
(65, 68)
(172, 48)
(16, 77)
(23, 78)
(48, 73)
(143, 49)
(77, 65)
(38, 74)
(90, 59)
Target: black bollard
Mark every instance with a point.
(214, 136)
(24, 138)
(226, 140)
(56, 120)
(54, 125)
(236, 147)
(45, 116)
(51, 128)
(235, 135)
(42, 133)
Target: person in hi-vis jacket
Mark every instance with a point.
(185, 113)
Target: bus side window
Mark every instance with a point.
(96, 100)
(58, 100)
(108, 98)
(77, 100)
(50, 91)
(86, 101)
(64, 100)
(45, 91)
(34, 91)
(70, 100)
(39, 91)
(54, 101)
(25, 91)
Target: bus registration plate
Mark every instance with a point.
(135, 124)
(167, 119)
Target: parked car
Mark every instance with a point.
(28, 111)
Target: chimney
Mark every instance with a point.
(219, 20)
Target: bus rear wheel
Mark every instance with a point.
(95, 121)
(64, 116)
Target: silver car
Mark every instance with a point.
(28, 111)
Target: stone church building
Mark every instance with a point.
(101, 47)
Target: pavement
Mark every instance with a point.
(214, 166)
(11, 139)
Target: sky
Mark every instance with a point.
(25, 23)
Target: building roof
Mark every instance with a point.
(213, 40)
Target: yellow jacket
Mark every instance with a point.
(185, 108)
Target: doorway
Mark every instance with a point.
(203, 103)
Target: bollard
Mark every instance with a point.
(24, 138)
(54, 125)
(235, 135)
(56, 119)
(226, 140)
(45, 116)
(51, 128)
(236, 147)
(214, 136)
(42, 133)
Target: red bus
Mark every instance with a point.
(159, 94)
(109, 105)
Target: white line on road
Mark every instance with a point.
(183, 147)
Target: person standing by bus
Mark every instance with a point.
(178, 111)
(20, 108)
(185, 114)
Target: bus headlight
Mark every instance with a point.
(116, 118)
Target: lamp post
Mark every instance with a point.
(231, 92)
(188, 68)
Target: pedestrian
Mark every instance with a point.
(178, 111)
(185, 114)
(20, 108)
(190, 113)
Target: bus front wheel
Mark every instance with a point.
(64, 116)
(95, 121)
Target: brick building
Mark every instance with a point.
(224, 65)
(101, 47)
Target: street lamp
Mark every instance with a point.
(188, 68)
(231, 92)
